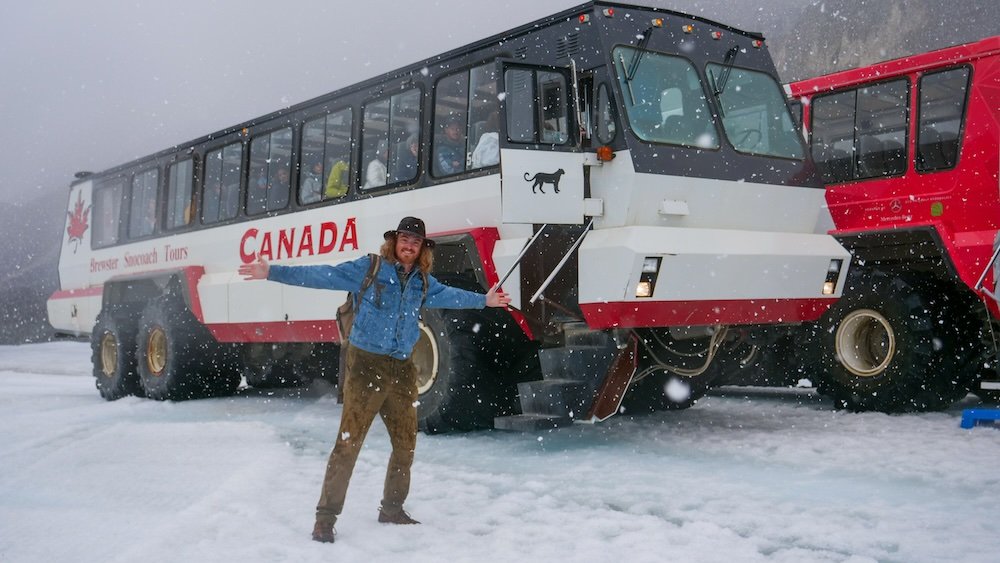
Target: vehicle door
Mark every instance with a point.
(542, 177)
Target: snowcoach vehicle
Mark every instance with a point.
(632, 175)
(909, 151)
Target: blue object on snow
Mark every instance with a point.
(971, 416)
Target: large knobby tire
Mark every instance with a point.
(177, 358)
(895, 344)
(468, 365)
(112, 344)
(456, 382)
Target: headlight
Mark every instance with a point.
(644, 289)
(832, 275)
(647, 277)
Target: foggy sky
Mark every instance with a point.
(90, 85)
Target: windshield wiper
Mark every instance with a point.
(633, 65)
(719, 84)
(637, 56)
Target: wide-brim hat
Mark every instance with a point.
(412, 226)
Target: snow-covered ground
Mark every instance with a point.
(749, 475)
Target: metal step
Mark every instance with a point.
(553, 397)
(530, 422)
(579, 334)
(580, 363)
(571, 378)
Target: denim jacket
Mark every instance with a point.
(386, 320)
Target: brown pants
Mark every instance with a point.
(374, 384)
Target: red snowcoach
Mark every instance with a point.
(908, 149)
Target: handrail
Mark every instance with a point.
(561, 263)
(517, 261)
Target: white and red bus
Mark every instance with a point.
(910, 152)
(632, 174)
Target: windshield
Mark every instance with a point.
(664, 100)
(754, 115)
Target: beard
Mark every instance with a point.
(407, 257)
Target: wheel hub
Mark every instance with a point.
(865, 342)
(109, 354)
(425, 357)
(156, 351)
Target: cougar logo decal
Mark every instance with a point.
(543, 178)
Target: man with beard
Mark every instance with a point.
(381, 375)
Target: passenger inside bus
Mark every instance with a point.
(311, 186)
(487, 151)
(449, 148)
(147, 224)
(270, 187)
(375, 173)
(277, 188)
(337, 182)
(487, 135)
(406, 160)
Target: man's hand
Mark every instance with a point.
(256, 270)
(497, 297)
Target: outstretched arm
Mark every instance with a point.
(441, 296)
(346, 276)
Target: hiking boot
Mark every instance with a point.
(400, 517)
(324, 533)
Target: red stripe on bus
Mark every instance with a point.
(193, 275)
(74, 293)
(639, 314)
(291, 331)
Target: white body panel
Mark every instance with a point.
(706, 264)
(680, 201)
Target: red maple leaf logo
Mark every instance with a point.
(77, 221)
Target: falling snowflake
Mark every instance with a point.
(677, 391)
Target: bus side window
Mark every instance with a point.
(270, 169)
(180, 193)
(537, 109)
(451, 125)
(375, 145)
(832, 136)
(605, 118)
(142, 209)
(221, 193)
(484, 117)
(388, 127)
(325, 166)
(881, 129)
(942, 113)
(466, 122)
(107, 212)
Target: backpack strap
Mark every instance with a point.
(423, 297)
(376, 263)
